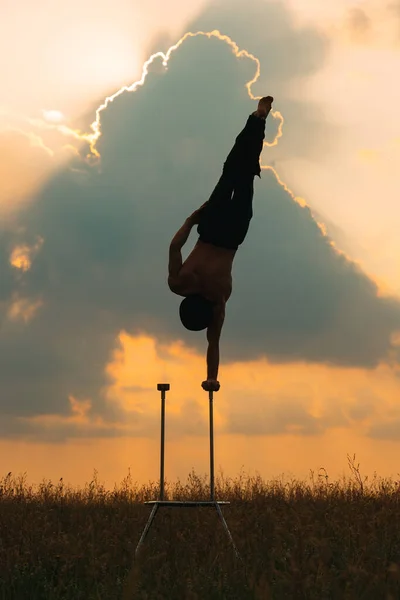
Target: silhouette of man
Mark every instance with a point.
(205, 278)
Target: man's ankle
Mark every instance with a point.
(260, 114)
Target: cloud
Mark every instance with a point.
(386, 429)
(268, 30)
(102, 265)
(395, 6)
(289, 54)
(359, 24)
(373, 23)
(394, 9)
(27, 159)
(284, 416)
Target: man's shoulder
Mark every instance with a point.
(183, 284)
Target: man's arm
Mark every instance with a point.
(175, 255)
(179, 240)
(213, 337)
(174, 262)
(182, 234)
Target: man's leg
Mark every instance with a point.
(244, 158)
(219, 217)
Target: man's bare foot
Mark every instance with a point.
(264, 107)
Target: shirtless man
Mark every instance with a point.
(205, 278)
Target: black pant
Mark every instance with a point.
(225, 218)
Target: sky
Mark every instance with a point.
(115, 121)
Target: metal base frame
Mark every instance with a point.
(163, 388)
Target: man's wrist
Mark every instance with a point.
(260, 115)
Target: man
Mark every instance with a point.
(205, 278)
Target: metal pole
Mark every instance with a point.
(212, 494)
(162, 387)
(162, 453)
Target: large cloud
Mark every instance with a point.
(102, 266)
(289, 54)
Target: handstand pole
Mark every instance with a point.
(163, 388)
(212, 493)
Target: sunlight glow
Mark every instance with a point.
(21, 256)
(53, 116)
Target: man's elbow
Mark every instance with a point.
(213, 337)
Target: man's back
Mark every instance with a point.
(206, 271)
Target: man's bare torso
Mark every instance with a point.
(206, 271)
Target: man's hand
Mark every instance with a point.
(211, 385)
(194, 218)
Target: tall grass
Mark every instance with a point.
(298, 540)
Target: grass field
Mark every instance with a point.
(317, 540)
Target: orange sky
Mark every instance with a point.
(330, 397)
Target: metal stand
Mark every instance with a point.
(164, 387)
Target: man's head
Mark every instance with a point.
(196, 312)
